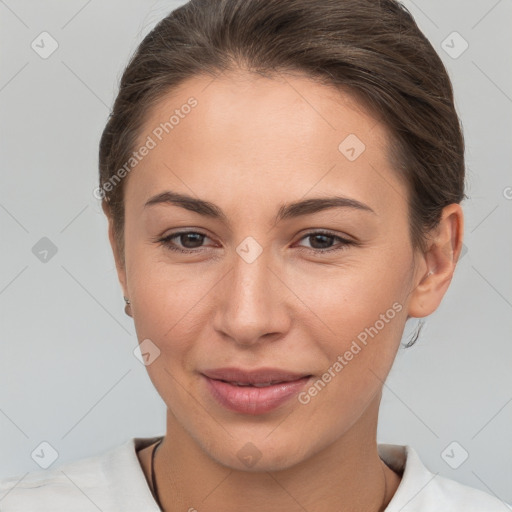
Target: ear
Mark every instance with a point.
(120, 265)
(437, 264)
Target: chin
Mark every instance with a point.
(253, 454)
(269, 462)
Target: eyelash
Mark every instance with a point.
(166, 241)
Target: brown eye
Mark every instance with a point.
(321, 242)
(188, 241)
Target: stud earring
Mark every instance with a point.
(127, 308)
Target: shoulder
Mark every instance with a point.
(420, 490)
(456, 496)
(110, 481)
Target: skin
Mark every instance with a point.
(249, 146)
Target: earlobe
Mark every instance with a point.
(439, 261)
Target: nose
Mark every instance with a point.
(252, 302)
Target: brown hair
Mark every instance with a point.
(372, 48)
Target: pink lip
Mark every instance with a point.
(251, 399)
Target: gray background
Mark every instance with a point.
(68, 375)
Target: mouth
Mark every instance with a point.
(253, 391)
(255, 384)
(259, 377)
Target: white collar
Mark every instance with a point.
(115, 481)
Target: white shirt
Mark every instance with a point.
(114, 482)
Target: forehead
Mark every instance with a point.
(244, 133)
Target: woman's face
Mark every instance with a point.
(267, 283)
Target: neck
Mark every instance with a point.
(347, 474)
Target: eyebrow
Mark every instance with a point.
(286, 211)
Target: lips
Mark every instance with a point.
(253, 392)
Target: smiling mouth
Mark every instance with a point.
(253, 392)
(258, 377)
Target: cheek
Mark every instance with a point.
(167, 304)
(347, 298)
(172, 306)
(167, 310)
(357, 328)
(359, 315)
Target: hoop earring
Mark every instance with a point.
(127, 307)
(416, 333)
